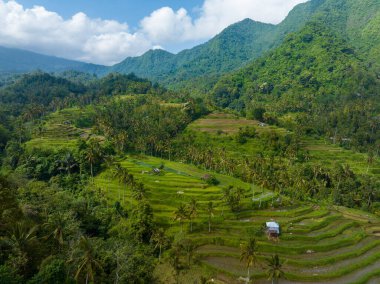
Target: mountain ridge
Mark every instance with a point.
(14, 60)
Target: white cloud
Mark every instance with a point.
(109, 41)
(80, 37)
(166, 26)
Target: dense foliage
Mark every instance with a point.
(55, 227)
(144, 124)
(314, 80)
(355, 21)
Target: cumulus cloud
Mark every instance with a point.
(80, 37)
(109, 41)
(167, 25)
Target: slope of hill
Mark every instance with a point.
(21, 61)
(313, 74)
(355, 21)
(242, 42)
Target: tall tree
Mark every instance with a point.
(249, 253)
(210, 213)
(159, 240)
(86, 260)
(181, 215)
(192, 211)
(275, 271)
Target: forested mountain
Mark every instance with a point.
(240, 43)
(313, 74)
(356, 21)
(21, 61)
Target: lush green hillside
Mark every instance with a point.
(21, 61)
(154, 63)
(356, 21)
(313, 74)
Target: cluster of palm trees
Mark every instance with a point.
(249, 255)
(232, 196)
(287, 176)
(142, 125)
(126, 178)
(185, 249)
(190, 211)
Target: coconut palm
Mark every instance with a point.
(249, 254)
(188, 246)
(210, 212)
(86, 260)
(275, 269)
(55, 226)
(159, 239)
(174, 260)
(180, 215)
(192, 210)
(68, 163)
(124, 177)
(138, 191)
(92, 154)
(22, 235)
(116, 172)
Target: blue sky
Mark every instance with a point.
(130, 11)
(108, 31)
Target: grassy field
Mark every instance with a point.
(318, 244)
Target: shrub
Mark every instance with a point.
(210, 179)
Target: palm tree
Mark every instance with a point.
(138, 191)
(116, 172)
(174, 260)
(249, 253)
(22, 235)
(159, 239)
(275, 269)
(192, 207)
(110, 162)
(210, 212)
(92, 153)
(85, 259)
(124, 178)
(56, 225)
(188, 246)
(68, 163)
(180, 215)
(370, 159)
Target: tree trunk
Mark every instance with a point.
(209, 225)
(159, 256)
(92, 173)
(125, 189)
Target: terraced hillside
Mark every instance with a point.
(61, 129)
(318, 244)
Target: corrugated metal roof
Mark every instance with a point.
(273, 225)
